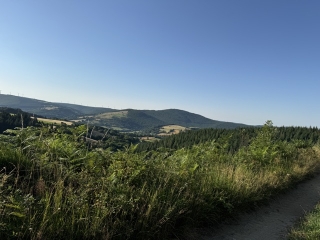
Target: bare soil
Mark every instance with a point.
(268, 222)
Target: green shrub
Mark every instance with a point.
(57, 187)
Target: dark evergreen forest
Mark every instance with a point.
(95, 137)
(235, 138)
(11, 118)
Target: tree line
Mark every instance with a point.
(11, 118)
(235, 138)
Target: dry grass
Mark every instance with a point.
(171, 129)
(64, 191)
(45, 120)
(309, 228)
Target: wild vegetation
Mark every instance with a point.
(308, 228)
(55, 184)
(235, 138)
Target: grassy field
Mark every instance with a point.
(171, 129)
(53, 186)
(308, 228)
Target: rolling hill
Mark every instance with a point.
(123, 120)
(49, 109)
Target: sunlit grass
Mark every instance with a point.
(309, 228)
(52, 187)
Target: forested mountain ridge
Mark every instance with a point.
(123, 120)
(187, 119)
(48, 109)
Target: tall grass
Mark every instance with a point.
(309, 228)
(51, 187)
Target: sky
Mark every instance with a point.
(242, 61)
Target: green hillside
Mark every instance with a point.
(85, 110)
(49, 109)
(123, 120)
(62, 183)
(146, 120)
(187, 119)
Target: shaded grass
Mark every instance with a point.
(309, 228)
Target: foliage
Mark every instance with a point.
(54, 185)
(309, 228)
(235, 138)
(11, 118)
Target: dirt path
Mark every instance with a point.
(272, 221)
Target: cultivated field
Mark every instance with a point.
(171, 129)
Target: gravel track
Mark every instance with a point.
(271, 221)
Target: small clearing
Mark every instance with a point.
(149, 139)
(268, 222)
(171, 129)
(45, 120)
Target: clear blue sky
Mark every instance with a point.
(241, 61)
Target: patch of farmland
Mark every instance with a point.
(171, 129)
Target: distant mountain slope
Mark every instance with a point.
(187, 119)
(49, 109)
(125, 120)
(85, 110)
(140, 120)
